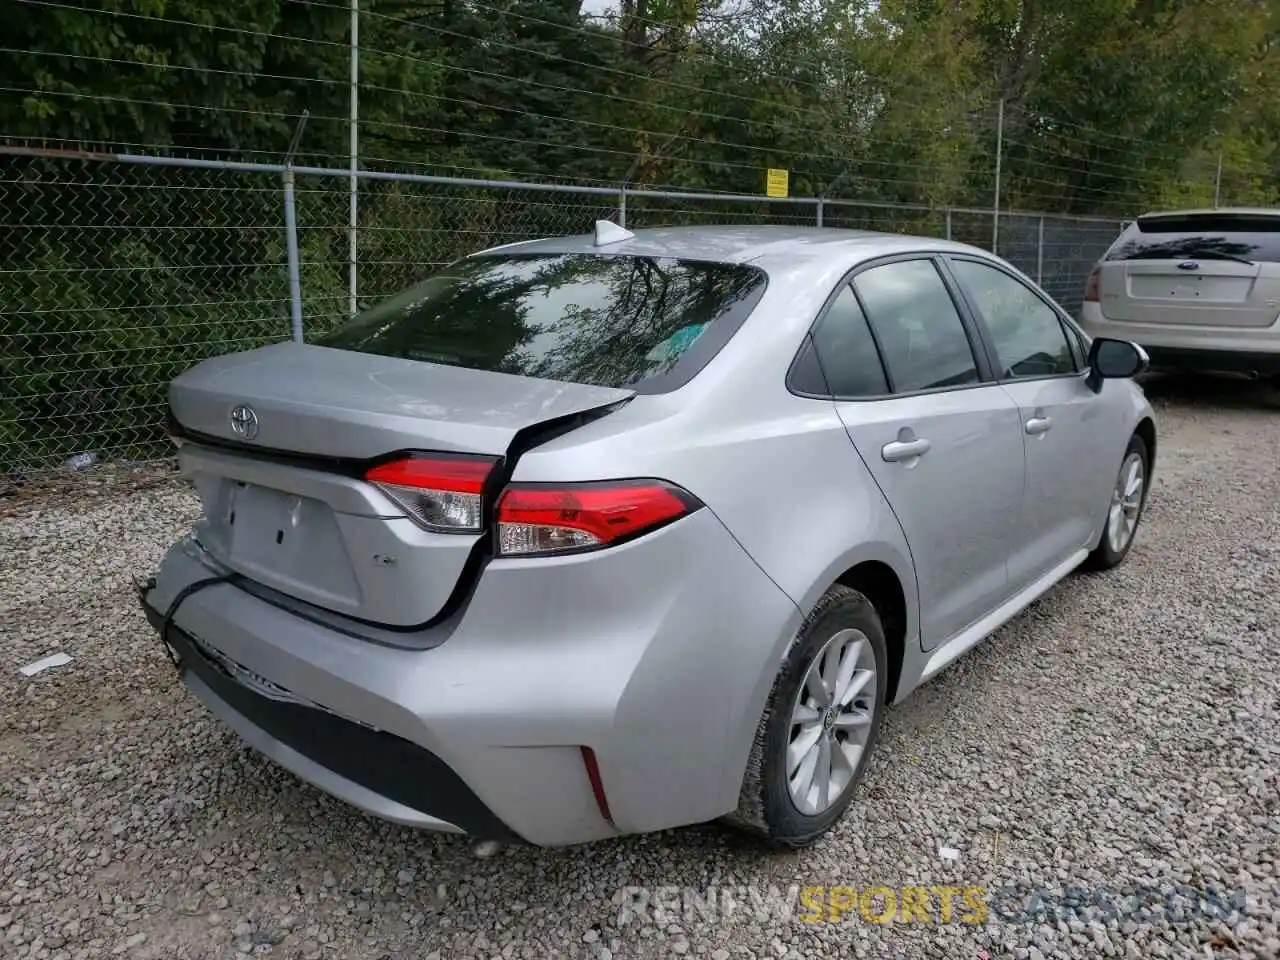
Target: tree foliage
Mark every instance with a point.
(1108, 104)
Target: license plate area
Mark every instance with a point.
(267, 522)
(1170, 287)
(287, 541)
(1216, 289)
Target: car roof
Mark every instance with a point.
(765, 246)
(1213, 212)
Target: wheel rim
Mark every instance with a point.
(1126, 503)
(831, 720)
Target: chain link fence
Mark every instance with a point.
(118, 272)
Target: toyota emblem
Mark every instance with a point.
(244, 422)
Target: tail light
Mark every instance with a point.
(443, 493)
(540, 519)
(1091, 286)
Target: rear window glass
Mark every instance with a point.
(605, 320)
(1253, 237)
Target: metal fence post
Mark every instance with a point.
(948, 223)
(1040, 253)
(622, 208)
(995, 205)
(820, 206)
(291, 231)
(291, 244)
(353, 212)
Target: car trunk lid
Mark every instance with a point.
(318, 401)
(277, 443)
(1212, 293)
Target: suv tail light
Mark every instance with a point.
(1091, 286)
(441, 492)
(540, 519)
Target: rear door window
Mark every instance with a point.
(605, 320)
(920, 332)
(1238, 236)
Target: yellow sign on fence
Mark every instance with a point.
(776, 183)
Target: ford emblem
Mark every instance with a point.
(1188, 265)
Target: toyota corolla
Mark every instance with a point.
(614, 533)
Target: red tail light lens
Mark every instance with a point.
(443, 493)
(1091, 286)
(539, 519)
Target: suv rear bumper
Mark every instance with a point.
(657, 655)
(1186, 347)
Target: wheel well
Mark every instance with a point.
(879, 584)
(1147, 431)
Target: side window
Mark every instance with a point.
(920, 332)
(1029, 337)
(805, 375)
(847, 351)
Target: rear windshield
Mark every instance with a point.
(605, 320)
(1254, 237)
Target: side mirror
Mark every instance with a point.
(1115, 360)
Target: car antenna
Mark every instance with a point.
(608, 232)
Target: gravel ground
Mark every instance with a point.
(1124, 733)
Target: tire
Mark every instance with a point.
(766, 806)
(1107, 553)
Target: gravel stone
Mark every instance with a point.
(1122, 736)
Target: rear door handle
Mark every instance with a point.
(1037, 425)
(900, 450)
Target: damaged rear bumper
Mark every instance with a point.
(488, 723)
(376, 771)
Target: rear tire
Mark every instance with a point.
(1124, 511)
(842, 639)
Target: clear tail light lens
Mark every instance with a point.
(443, 493)
(1091, 286)
(540, 519)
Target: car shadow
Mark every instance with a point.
(1211, 391)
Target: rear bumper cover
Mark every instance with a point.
(379, 772)
(657, 655)
(1188, 347)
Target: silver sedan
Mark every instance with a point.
(619, 532)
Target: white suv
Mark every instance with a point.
(1198, 289)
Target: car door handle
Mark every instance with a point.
(900, 450)
(1037, 425)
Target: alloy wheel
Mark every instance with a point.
(1126, 502)
(831, 721)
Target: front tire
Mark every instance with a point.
(1124, 512)
(820, 725)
